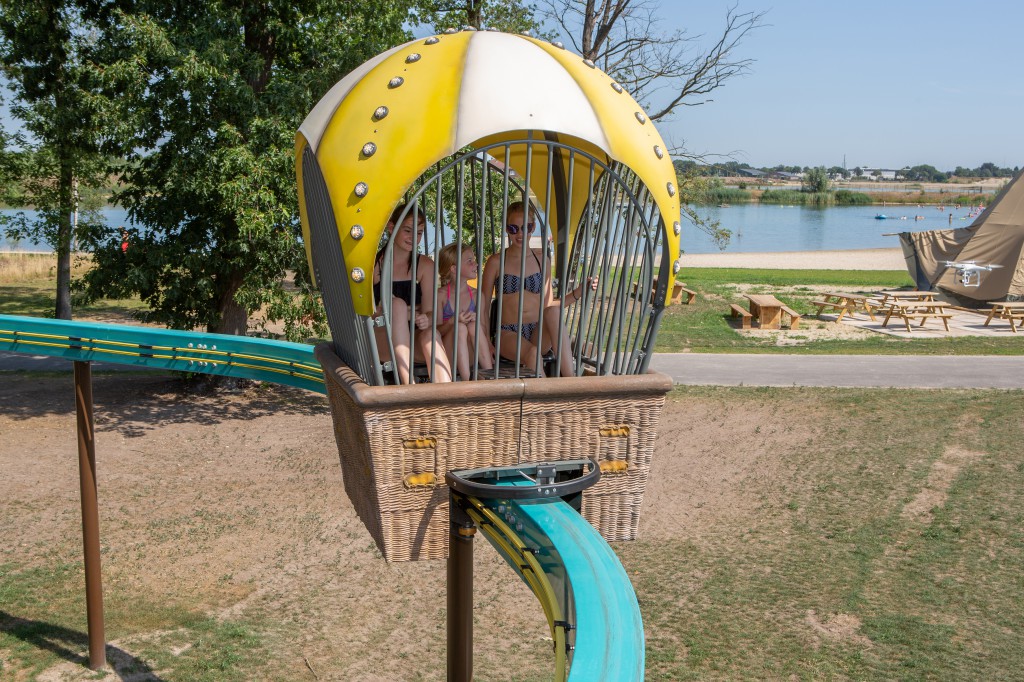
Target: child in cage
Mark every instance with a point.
(532, 293)
(408, 302)
(460, 325)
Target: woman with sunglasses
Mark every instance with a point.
(525, 289)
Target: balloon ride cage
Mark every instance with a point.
(545, 228)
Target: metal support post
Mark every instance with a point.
(90, 515)
(460, 593)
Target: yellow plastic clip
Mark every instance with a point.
(615, 431)
(420, 443)
(424, 480)
(614, 466)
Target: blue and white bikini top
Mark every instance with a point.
(534, 283)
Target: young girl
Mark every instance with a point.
(408, 302)
(458, 327)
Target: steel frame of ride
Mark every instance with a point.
(618, 241)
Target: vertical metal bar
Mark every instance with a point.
(478, 248)
(522, 254)
(502, 237)
(458, 266)
(585, 233)
(460, 594)
(545, 270)
(563, 256)
(90, 515)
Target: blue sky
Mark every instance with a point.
(887, 84)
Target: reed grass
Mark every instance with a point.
(19, 266)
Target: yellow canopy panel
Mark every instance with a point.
(387, 122)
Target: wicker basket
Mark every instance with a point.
(397, 442)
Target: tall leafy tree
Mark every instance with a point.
(213, 93)
(512, 16)
(44, 58)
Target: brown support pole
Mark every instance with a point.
(460, 594)
(90, 515)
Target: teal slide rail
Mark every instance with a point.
(596, 616)
(242, 357)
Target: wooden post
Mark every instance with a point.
(460, 594)
(90, 515)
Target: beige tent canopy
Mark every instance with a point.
(995, 238)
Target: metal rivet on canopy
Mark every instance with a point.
(617, 88)
(357, 231)
(414, 57)
(559, 45)
(671, 189)
(640, 117)
(677, 228)
(658, 152)
(362, 188)
(379, 113)
(468, 28)
(358, 275)
(526, 33)
(396, 82)
(369, 149)
(432, 40)
(676, 267)
(590, 63)
(450, 30)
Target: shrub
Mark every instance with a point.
(845, 197)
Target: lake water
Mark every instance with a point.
(766, 228)
(761, 227)
(113, 216)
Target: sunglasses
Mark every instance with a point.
(512, 228)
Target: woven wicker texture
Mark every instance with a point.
(390, 438)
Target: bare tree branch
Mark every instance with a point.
(663, 70)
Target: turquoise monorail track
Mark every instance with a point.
(242, 357)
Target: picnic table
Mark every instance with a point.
(1012, 311)
(845, 303)
(768, 310)
(888, 296)
(908, 310)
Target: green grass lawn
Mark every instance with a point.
(703, 326)
(882, 550)
(866, 535)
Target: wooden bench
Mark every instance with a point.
(736, 310)
(677, 294)
(944, 316)
(794, 316)
(841, 306)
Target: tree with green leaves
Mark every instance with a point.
(212, 94)
(45, 48)
(511, 16)
(816, 180)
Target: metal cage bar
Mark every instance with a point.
(617, 239)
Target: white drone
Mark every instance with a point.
(969, 272)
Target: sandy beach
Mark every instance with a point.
(857, 259)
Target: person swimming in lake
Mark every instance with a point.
(407, 301)
(525, 288)
(456, 266)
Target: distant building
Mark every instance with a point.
(783, 175)
(750, 173)
(886, 173)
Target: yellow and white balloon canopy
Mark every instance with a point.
(388, 121)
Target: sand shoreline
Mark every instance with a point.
(854, 259)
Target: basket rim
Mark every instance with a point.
(625, 385)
